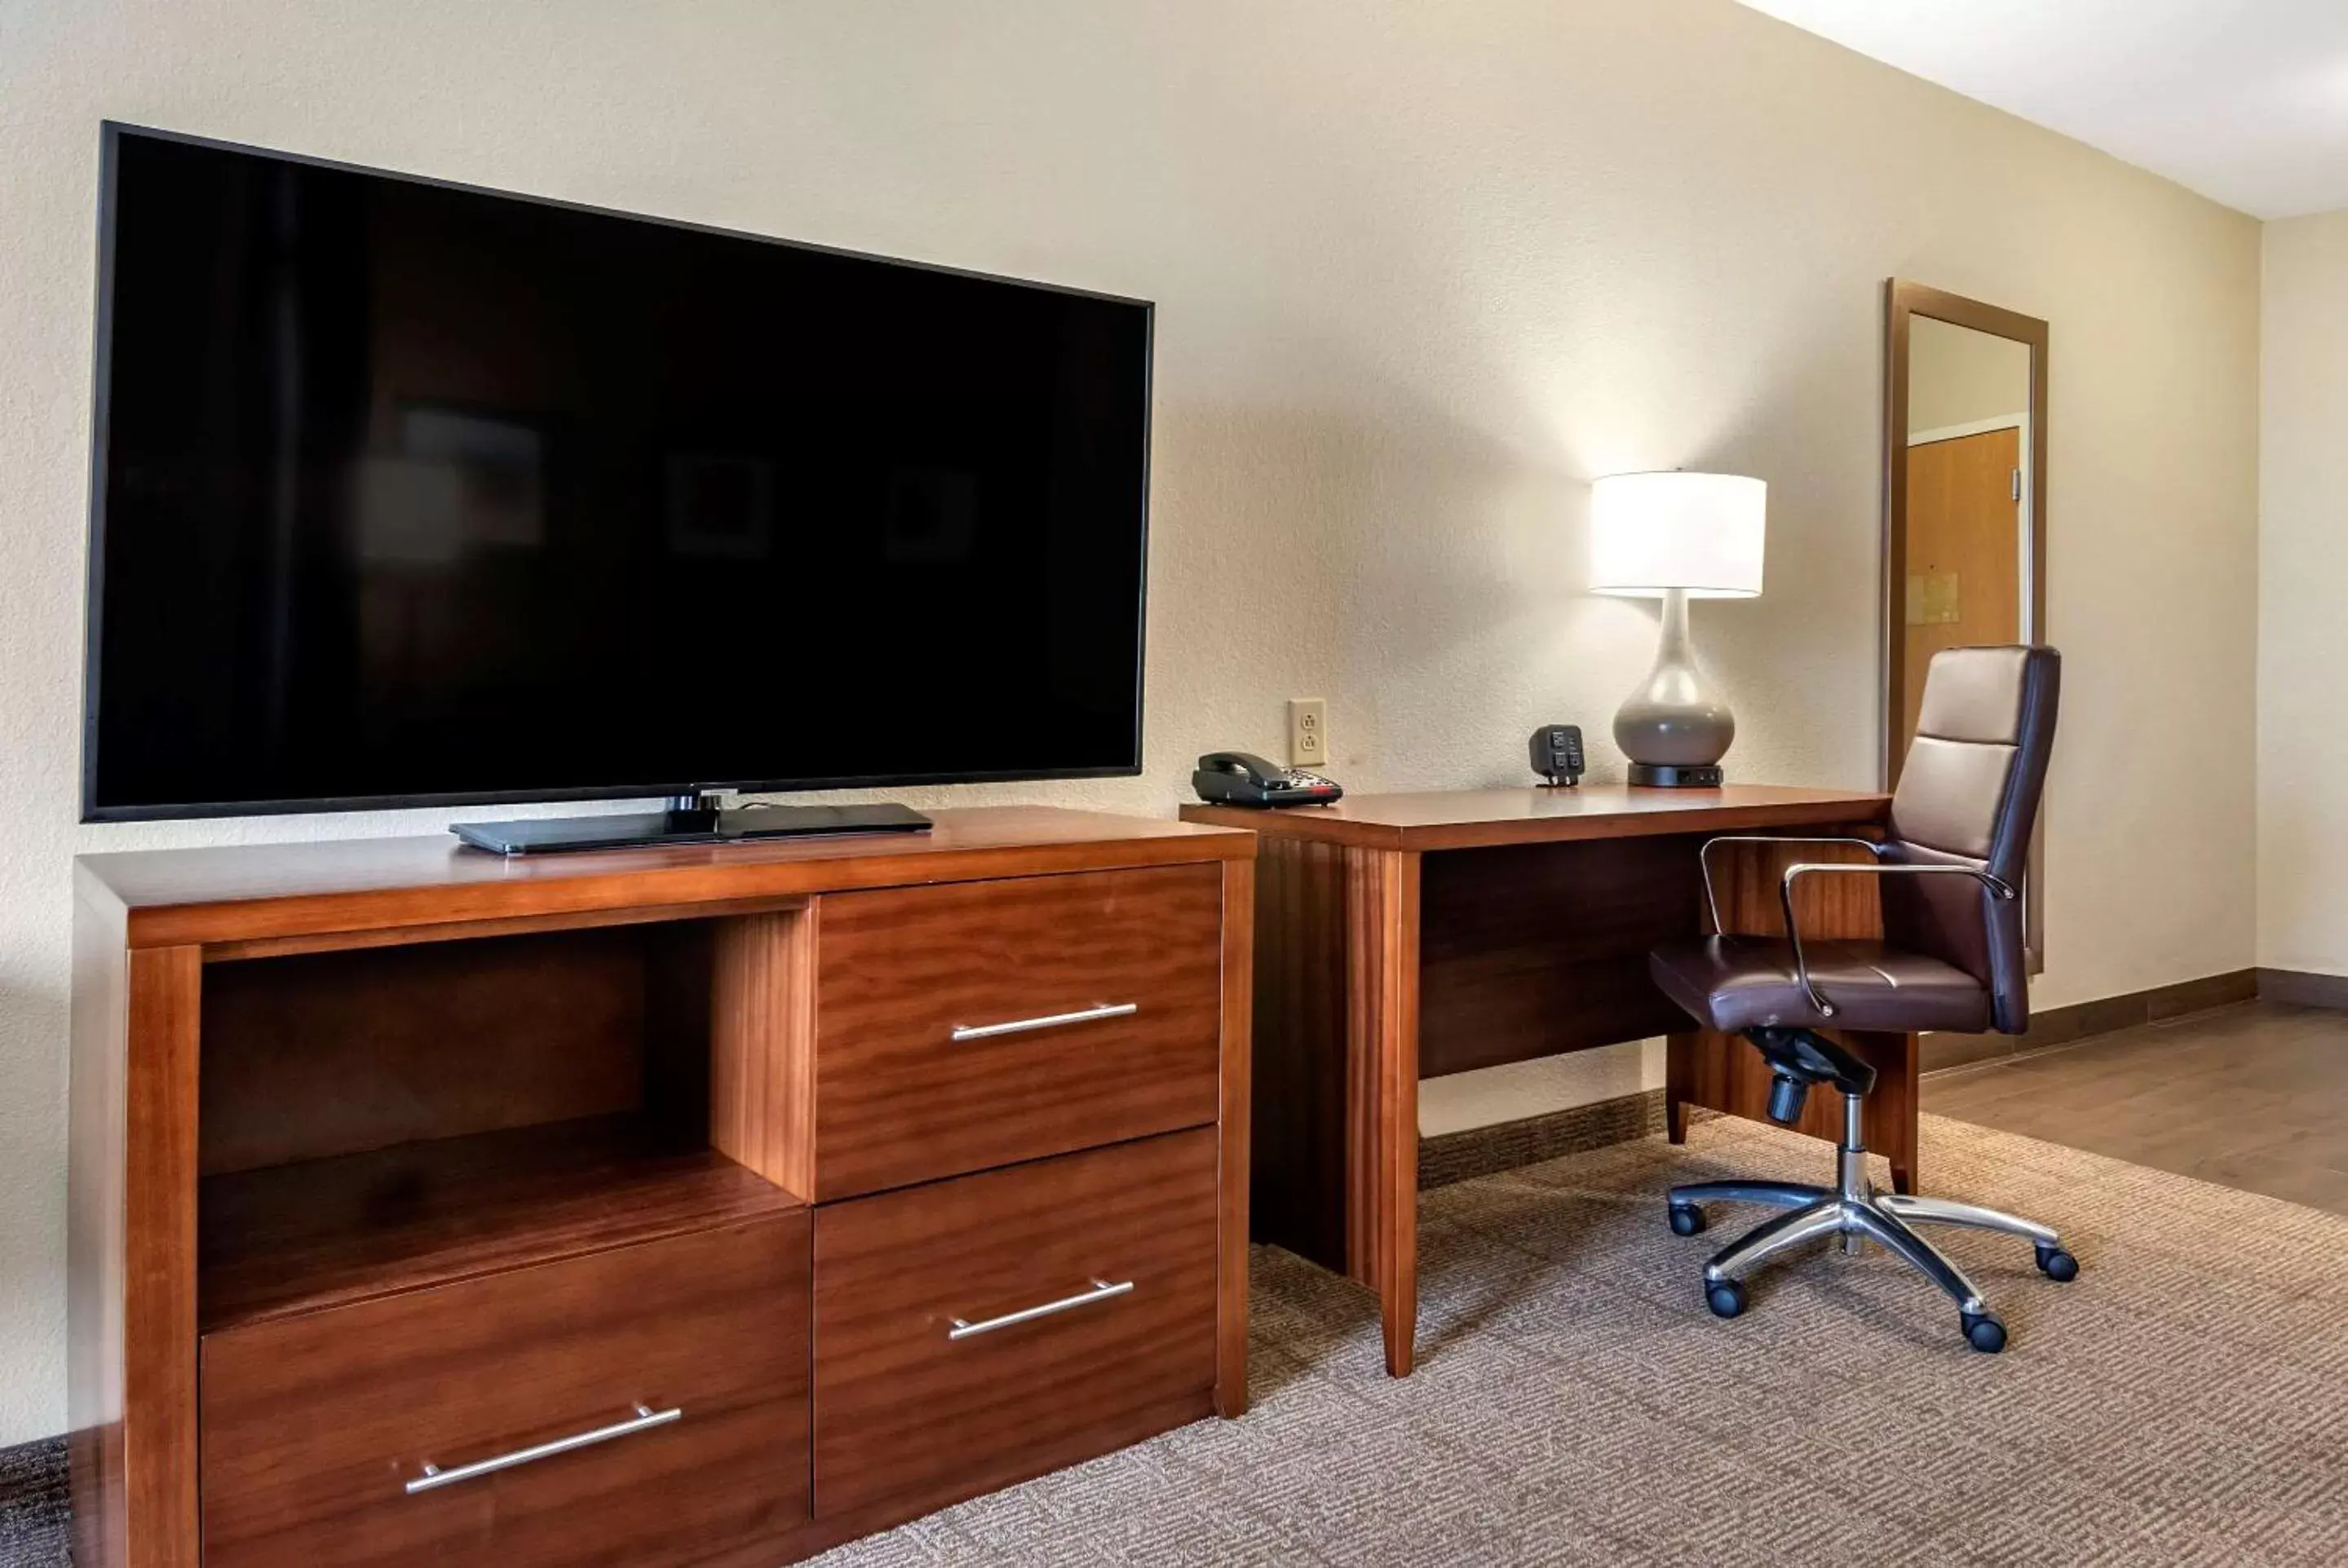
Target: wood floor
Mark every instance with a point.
(2254, 1097)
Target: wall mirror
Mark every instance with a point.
(1965, 545)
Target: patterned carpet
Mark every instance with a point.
(2184, 1401)
(33, 1504)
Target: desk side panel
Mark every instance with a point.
(1298, 1179)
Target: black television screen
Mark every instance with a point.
(409, 493)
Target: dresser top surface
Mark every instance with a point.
(236, 893)
(1458, 819)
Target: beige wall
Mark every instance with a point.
(2302, 756)
(1423, 269)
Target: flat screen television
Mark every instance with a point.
(408, 494)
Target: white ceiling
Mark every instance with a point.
(2243, 100)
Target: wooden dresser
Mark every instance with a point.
(705, 1205)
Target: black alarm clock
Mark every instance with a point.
(1557, 753)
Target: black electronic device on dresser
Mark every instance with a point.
(1243, 778)
(1556, 754)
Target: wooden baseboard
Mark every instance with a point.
(1510, 1145)
(2303, 988)
(2061, 1026)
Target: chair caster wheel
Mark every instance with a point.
(2057, 1265)
(1725, 1297)
(1984, 1333)
(1687, 1219)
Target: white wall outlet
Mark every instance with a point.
(1308, 732)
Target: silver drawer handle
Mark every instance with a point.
(1102, 1290)
(1051, 1020)
(643, 1421)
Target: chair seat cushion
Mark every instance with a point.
(1736, 983)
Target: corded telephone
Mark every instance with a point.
(1243, 778)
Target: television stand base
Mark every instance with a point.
(686, 825)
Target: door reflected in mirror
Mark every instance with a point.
(1968, 523)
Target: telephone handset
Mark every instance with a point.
(1243, 778)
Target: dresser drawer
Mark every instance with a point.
(976, 1024)
(982, 1330)
(316, 1426)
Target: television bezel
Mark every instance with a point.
(111, 135)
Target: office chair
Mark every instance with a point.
(1950, 866)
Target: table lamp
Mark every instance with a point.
(1675, 537)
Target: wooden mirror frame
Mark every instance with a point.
(1903, 301)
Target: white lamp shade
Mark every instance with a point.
(1700, 532)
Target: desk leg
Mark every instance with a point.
(1381, 1087)
(1679, 1085)
(1891, 1109)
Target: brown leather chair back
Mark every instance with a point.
(1968, 795)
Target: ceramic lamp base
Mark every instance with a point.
(1677, 726)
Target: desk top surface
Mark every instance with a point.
(1471, 819)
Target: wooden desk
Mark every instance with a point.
(1408, 935)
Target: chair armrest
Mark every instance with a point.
(1998, 886)
(1703, 859)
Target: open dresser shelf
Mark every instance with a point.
(326, 1233)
